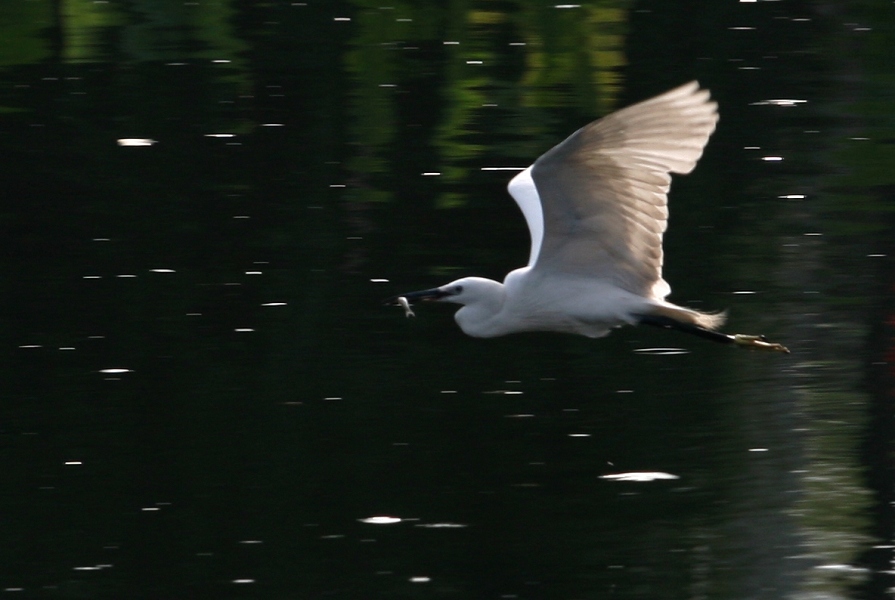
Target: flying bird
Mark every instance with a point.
(596, 206)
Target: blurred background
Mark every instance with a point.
(204, 204)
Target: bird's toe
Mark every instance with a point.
(759, 342)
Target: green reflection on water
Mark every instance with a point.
(493, 67)
(151, 31)
(833, 510)
(21, 25)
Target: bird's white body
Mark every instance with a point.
(596, 209)
(530, 301)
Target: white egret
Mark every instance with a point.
(596, 208)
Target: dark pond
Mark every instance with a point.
(202, 395)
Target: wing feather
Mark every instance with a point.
(603, 191)
(522, 189)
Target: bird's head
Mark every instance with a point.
(462, 291)
(481, 298)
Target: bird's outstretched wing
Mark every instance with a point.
(602, 193)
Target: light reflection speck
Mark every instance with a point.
(136, 142)
(779, 102)
(661, 351)
(639, 476)
(381, 520)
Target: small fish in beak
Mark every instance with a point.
(402, 301)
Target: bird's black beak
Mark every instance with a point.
(430, 294)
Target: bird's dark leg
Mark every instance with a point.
(752, 341)
(669, 323)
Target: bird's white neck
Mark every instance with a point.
(482, 316)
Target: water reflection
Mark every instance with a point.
(639, 477)
(136, 142)
(661, 351)
(152, 444)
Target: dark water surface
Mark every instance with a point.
(203, 397)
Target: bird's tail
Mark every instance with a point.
(705, 320)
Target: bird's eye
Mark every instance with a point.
(458, 289)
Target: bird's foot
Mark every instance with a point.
(758, 341)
